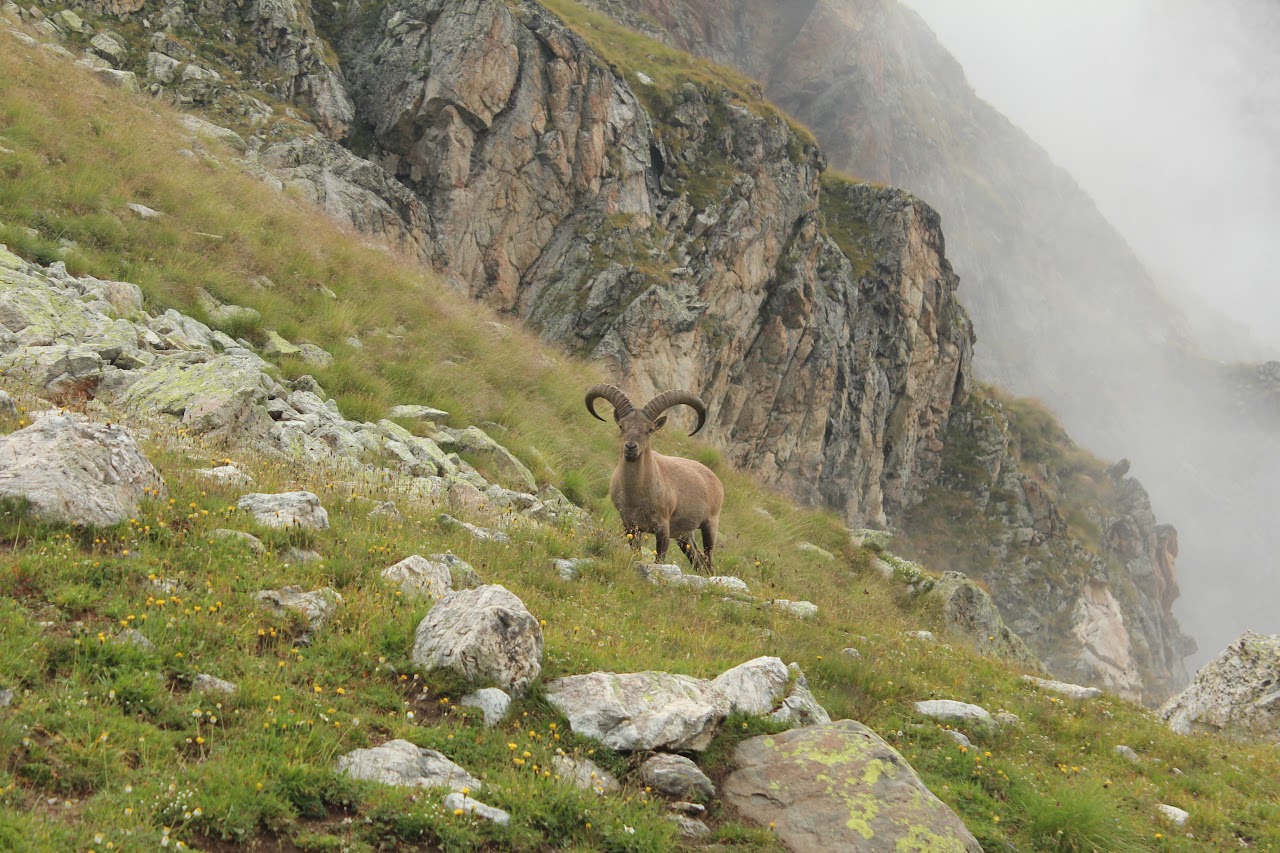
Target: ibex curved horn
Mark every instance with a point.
(615, 395)
(667, 399)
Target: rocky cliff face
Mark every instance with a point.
(1069, 548)
(686, 236)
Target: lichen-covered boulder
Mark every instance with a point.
(839, 786)
(635, 711)
(225, 394)
(73, 471)
(1236, 694)
(483, 634)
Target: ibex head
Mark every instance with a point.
(637, 425)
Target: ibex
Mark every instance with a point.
(663, 495)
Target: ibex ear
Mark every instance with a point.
(660, 423)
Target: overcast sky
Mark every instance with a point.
(1167, 112)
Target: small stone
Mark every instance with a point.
(951, 710)
(657, 573)
(143, 211)
(300, 556)
(1175, 815)
(1007, 720)
(134, 637)
(253, 543)
(386, 510)
(570, 570)
(492, 702)
(798, 609)
(6, 697)
(399, 762)
(454, 802)
(316, 606)
(730, 583)
(926, 636)
(415, 412)
(420, 578)
(482, 533)
(229, 474)
(690, 827)
(1071, 691)
(1127, 752)
(960, 738)
(818, 551)
(692, 809)
(677, 776)
(483, 634)
(851, 653)
(286, 509)
(315, 356)
(586, 774)
(204, 683)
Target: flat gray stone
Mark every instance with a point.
(461, 802)
(205, 683)
(286, 509)
(399, 762)
(952, 711)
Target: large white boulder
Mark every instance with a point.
(73, 471)
(635, 711)
(483, 634)
(1236, 694)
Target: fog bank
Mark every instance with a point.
(1168, 114)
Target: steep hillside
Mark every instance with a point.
(106, 738)
(637, 206)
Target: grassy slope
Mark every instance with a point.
(96, 745)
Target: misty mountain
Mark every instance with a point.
(1062, 307)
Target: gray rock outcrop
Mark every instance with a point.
(483, 634)
(1237, 694)
(839, 787)
(73, 471)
